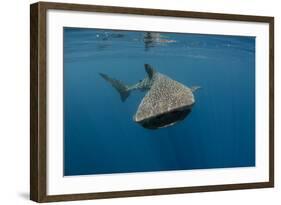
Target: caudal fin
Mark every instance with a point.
(118, 85)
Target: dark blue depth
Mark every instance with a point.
(100, 136)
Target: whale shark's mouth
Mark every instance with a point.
(165, 119)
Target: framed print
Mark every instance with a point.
(135, 102)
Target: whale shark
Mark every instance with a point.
(166, 102)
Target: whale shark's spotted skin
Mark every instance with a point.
(165, 95)
(166, 102)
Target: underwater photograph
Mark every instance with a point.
(143, 101)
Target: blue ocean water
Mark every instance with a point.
(100, 136)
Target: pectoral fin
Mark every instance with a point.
(194, 88)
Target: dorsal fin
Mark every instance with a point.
(150, 71)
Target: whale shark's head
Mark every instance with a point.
(166, 103)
